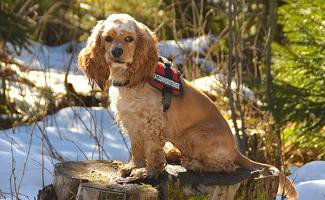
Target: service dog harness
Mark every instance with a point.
(166, 79)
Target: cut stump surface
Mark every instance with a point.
(97, 180)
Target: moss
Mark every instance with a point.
(175, 191)
(198, 197)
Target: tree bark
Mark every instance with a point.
(272, 22)
(270, 36)
(231, 46)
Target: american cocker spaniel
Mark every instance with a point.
(122, 53)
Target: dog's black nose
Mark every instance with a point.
(117, 52)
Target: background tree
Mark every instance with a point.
(298, 70)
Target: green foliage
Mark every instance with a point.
(59, 21)
(299, 69)
(151, 12)
(14, 28)
(48, 21)
(198, 197)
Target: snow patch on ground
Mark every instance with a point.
(31, 97)
(170, 48)
(55, 81)
(314, 190)
(189, 48)
(311, 171)
(216, 84)
(310, 181)
(43, 57)
(71, 134)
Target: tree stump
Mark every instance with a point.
(97, 180)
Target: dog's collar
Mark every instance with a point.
(120, 83)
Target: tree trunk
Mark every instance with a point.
(270, 36)
(96, 180)
(231, 63)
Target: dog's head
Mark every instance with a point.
(120, 49)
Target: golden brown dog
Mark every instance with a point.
(124, 51)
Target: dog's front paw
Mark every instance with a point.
(139, 173)
(125, 170)
(145, 172)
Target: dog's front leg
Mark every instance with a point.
(154, 154)
(138, 157)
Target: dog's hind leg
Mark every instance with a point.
(205, 147)
(219, 164)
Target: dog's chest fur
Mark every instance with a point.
(138, 108)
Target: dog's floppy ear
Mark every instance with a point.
(146, 54)
(91, 58)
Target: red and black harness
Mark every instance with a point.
(167, 79)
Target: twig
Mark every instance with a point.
(74, 143)
(14, 195)
(13, 175)
(26, 160)
(41, 165)
(52, 150)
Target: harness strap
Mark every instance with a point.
(167, 97)
(167, 91)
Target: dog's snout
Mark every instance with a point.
(117, 52)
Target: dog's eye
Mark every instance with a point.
(108, 39)
(129, 39)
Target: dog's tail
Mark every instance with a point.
(286, 187)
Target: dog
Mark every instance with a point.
(123, 52)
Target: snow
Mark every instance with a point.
(171, 48)
(310, 180)
(311, 171)
(42, 57)
(71, 134)
(181, 49)
(216, 84)
(30, 98)
(314, 190)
